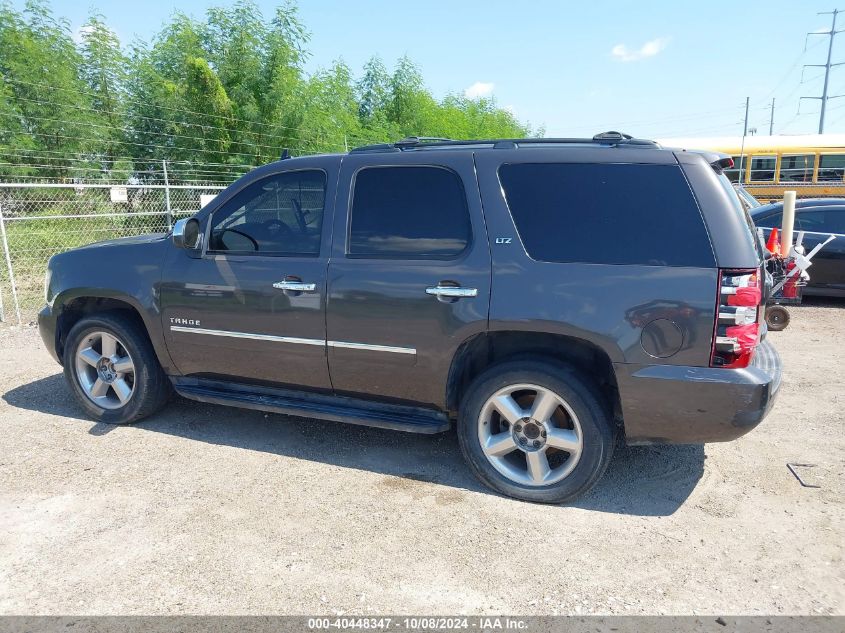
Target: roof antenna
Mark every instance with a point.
(285, 154)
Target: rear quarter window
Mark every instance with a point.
(606, 214)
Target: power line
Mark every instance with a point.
(143, 103)
(827, 66)
(129, 130)
(133, 116)
(35, 153)
(164, 147)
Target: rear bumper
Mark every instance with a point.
(671, 404)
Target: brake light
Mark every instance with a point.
(737, 331)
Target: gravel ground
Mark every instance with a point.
(207, 510)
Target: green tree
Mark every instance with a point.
(104, 68)
(204, 94)
(213, 96)
(40, 66)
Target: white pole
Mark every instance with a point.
(788, 222)
(9, 266)
(742, 147)
(167, 195)
(2, 313)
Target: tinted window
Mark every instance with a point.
(409, 213)
(822, 221)
(797, 168)
(606, 214)
(769, 221)
(277, 215)
(763, 168)
(831, 167)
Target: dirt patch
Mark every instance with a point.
(206, 509)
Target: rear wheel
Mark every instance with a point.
(777, 318)
(536, 431)
(113, 371)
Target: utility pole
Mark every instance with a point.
(772, 118)
(831, 34)
(742, 148)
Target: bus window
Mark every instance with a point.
(831, 167)
(763, 168)
(797, 168)
(733, 174)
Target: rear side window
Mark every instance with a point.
(606, 214)
(763, 168)
(831, 167)
(822, 221)
(408, 213)
(798, 168)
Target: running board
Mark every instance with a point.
(313, 405)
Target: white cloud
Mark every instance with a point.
(622, 53)
(479, 89)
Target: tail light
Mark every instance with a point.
(737, 323)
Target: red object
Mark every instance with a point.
(773, 245)
(750, 296)
(734, 345)
(746, 335)
(790, 288)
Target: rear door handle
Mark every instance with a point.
(457, 292)
(295, 286)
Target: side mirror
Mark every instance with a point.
(186, 234)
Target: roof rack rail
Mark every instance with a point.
(611, 138)
(417, 140)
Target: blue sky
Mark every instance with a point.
(649, 68)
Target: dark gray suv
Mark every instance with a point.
(547, 296)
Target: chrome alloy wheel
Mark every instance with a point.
(105, 370)
(530, 435)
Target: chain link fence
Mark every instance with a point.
(40, 220)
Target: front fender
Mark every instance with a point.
(128, 271)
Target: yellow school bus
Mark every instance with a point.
(812, 164)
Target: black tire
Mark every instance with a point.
(152, 388)
(777, 318)
(597, 427)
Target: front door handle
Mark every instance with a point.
(456, 292)
(295, 286)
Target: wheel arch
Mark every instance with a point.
(485, 350)
(76, 305)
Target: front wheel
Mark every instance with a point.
(536, 431)
(113, 371)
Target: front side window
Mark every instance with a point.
(277, 215)
(831, 167)
(763, 168)
(607, 213)
(798, 168)
(408, 213)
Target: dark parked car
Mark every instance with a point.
(546, 296)
(818, 218)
